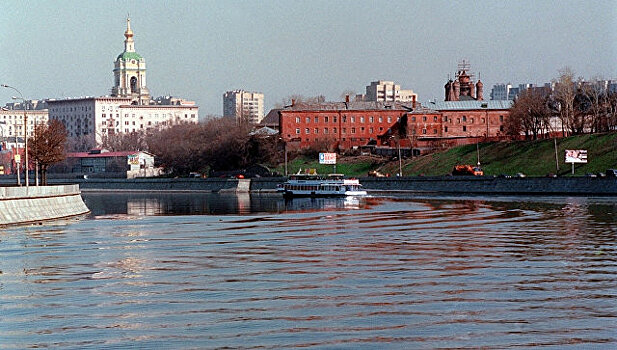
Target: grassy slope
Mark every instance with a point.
(528, 157)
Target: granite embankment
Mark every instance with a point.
(21, 205)
(419, 184)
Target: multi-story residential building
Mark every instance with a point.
(97, 117)
(129, 109)
(12, 124)
(386, 91)
(244, 105)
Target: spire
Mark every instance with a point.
(129, 45)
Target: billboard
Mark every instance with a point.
(576, 156)
(327, 158)
(133, 159)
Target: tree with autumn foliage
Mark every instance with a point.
(47, 146)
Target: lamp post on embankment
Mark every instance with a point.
(21, 97)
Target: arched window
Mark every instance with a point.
(133, 84)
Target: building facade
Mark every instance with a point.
(130, 72)
(472, 119)
(95, 118)
(387, 91)
(244, 105)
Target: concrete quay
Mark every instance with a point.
(21, 205)
(417, 184)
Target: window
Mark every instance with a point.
(500, 127)
(424, 131)
(370, 130)
(464, 128)
(464, 119)
(316, 119)
(325, 119)
(325, 130)
(424, 118)
(316, 131)
(344, 130)
(334, 130)
(104, 116)
(126, 122)
(380, 119)
(353, 130)
(445, 129)
(344, 119)
(335, 119)
(297, 130)
(389, 119)
(353, 119)
(297, 119)
(413, 119)
(501, 118)
(434, 131)
(307, 131)
(483, 120)
(308, 119)
(471, 119)
(361, 119)
(435, 118)
(371, 119)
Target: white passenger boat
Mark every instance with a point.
(301, 185)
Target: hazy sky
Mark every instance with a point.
(200, 49)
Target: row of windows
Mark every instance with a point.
(464, 119)
(352, 119)
(71, 109)
(126, 122)
(335, 130)
(141, 117)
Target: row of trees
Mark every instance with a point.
(573, 107)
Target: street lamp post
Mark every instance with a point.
(21, 97)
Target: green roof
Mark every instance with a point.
(125, 56)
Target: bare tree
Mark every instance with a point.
(529, 114)
(564, 94)
(47, 146)
(134, 141)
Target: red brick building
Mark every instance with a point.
(345, 125)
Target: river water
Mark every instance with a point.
(256, 272)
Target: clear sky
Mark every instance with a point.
(200, 49)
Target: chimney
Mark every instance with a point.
(293, 102)
(413, 101)
(346, 98)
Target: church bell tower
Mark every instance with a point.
(130, 72)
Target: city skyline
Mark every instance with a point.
(198, 50)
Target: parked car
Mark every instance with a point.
(504, 176)
(551, 175)
(611, 172)
(520, 175)
(601, 174)
(591, 175)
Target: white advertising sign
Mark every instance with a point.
(327, 158)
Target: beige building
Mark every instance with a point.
(387, 91)
(244, 105)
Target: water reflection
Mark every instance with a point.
(411, 272)
(144, 204)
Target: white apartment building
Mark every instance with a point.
(12, 123)
(244, 105)
(387, 91)
(97, 117)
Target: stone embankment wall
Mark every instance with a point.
(20, 205)
(440, 184)
(491, 185)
